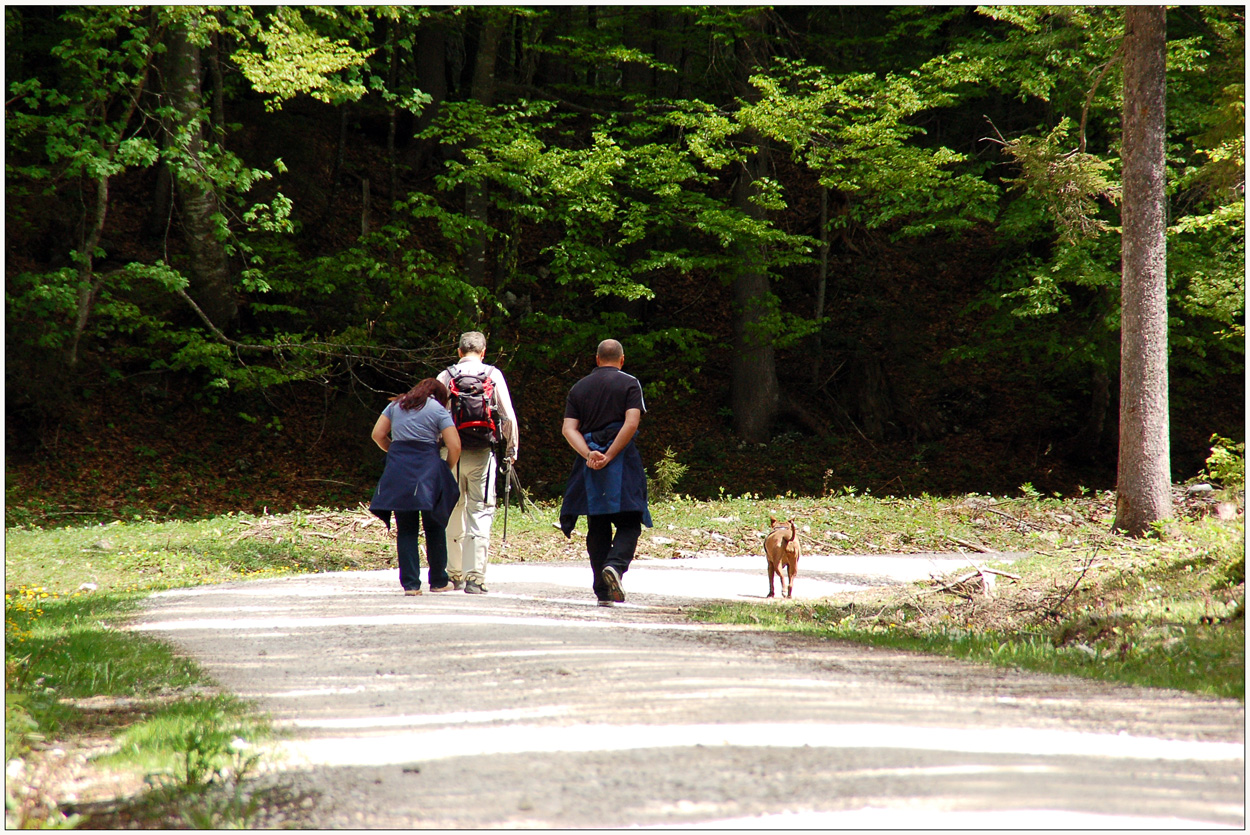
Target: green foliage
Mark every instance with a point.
(1227, 463)
(668, 471)
(853, 131)
(296, 60)
(1055, 299)
(606, 156)
(89, 121)
(1068, 183)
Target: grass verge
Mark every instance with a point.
(79, 688)
(1164, 611)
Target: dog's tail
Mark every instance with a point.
(794, 534)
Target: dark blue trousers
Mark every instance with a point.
(408, 525)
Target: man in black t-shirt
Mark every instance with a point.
(608, 484)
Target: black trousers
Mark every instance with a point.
(608, 548)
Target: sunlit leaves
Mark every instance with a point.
(297, 60)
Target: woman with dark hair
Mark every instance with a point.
(416, 484)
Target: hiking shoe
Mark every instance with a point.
(411, 592)
(606, 603)
(614, 583)
(440, 588)
(471, 587)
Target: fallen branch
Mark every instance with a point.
(822, 543)
(979, 548)
(1054, 610)
(1012, 518)
(987, 582)
(953, 586)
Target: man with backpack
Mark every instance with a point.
(481, 408)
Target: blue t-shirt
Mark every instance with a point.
(425, 424)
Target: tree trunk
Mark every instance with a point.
(219, 85)
(336, 174)
(211, 285)
(432, 79)
(754, 390)
(88, 282)
(822, 277)
(476, 204)
(392, 117)
(1144, 490)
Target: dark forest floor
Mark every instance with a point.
(133, 451)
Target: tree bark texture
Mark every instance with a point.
(211, 284)
(1144, 484)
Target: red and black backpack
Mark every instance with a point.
(471, 407)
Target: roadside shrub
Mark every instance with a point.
(1227, 463)
(668, 471)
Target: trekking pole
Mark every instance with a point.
(507, 495)
(515, 479)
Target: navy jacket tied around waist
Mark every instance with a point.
(617, 488)
(415, 478)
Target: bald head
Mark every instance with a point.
(610, 352)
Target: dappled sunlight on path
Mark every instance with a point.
(531, 706)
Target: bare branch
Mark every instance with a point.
(1089, 98)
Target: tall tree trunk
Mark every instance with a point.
(754, 390)
(219, 84)
(392, 117)
(475, 199)
(1144, 489)
(754, 386)
(340, 148)
(822, 277)
(432, 79)
(211, 285)
(89, 283)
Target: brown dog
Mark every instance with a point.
(781, 546)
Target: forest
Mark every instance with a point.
(845, 247)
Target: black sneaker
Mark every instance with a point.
(471, 587)
(614, 583)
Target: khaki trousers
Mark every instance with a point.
(468, 529)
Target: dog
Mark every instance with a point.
(781, 547)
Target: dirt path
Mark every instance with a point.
(533, 707)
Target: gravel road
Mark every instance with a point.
(533, 707)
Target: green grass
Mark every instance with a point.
(1157, 612)
(62, 650)
(146, 556)
(68, 592)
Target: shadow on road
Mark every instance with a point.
(531, 706)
